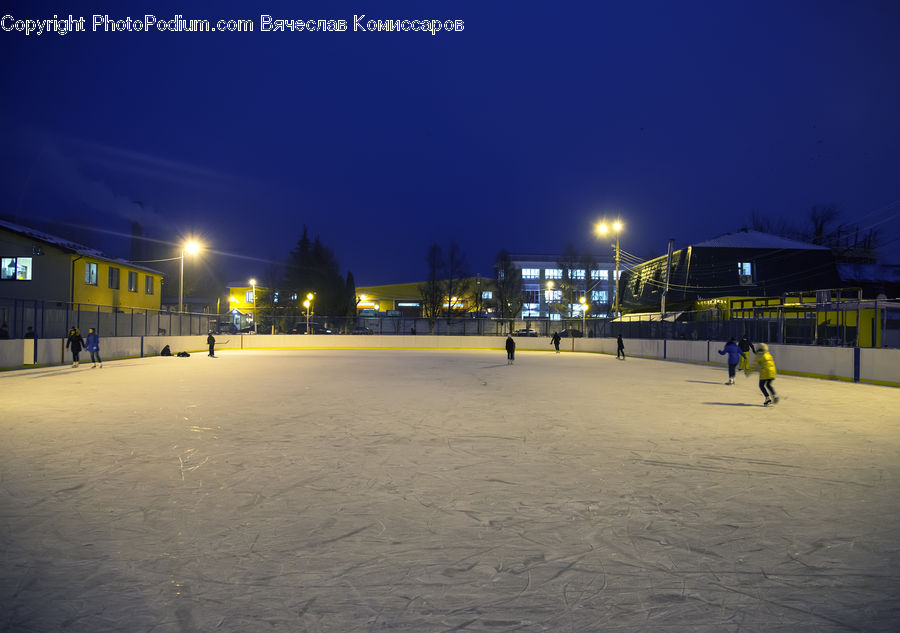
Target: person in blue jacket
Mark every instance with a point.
(734, 357)
(92, 344)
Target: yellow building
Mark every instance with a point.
(42, 267)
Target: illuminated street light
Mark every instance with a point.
(602, 229)
(255, 320)
(584, 307)
(308, 304)
(191, 248)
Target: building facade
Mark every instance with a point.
(553, 285)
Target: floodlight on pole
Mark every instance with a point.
(191, 247)
(308, 304)
(602, 229)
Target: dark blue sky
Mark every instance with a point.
(519, 132)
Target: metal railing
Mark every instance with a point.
(868, 324)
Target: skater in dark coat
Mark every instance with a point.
(734, 357)
(555, 339)
(620, 347)
(510, 350)
(74, 342)
(746, 347)
(211, 341)
(93, 346)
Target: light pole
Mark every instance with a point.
(550, 286)
(307, 304)
(602, 228)
(255, 320)
(192, 248)
(584, 307)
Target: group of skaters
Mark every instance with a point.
(554, 340)
(739, 358)
(76, 343)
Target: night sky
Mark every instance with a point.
(521, 131)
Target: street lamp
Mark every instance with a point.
(307, 304)
(192, 248)
(255, 320)
(602, 229)
(584, 307)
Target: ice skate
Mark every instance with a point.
(767, 402)
(774, 399)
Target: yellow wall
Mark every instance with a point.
(101, 294)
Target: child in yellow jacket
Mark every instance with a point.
(766, 366)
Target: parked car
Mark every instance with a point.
(314, 328)
(573, 333)
(525, 332)
(359, 329)
(223, 328)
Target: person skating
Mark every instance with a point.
(766, 366)
(74, 342)
(734, 357)
(555, 339)
(746, 347)
(620, 347)
(211, 341)
(510, 350)
(93, 346)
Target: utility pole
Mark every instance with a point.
(662, 305)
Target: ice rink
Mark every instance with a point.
(437, 491)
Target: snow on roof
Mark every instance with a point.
(755, 239)
(67, 245)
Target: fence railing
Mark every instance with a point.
(870, 324)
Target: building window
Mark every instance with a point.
(132, 281)
(113, 278)
(249, 296)
(18, 268)
(553, 296)
(745, 268)
(90, 274)
(531, 273)
(599, 296)
(577, 273)
(600, 275)
(487, 294)
(553, 273)
(148, 285)
(530, 310)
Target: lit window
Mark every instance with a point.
(18, 268)
(90, 274)
(487, 294)
(577, 273)
(745, 268)
(556, 316)
(553, 273)
(531, 310)
(553, 295)
(599, 296)
(132, 281)
(275, 297)
(601, 275)
(531, 273)
(249, 296)
(148, 285)
(113, 278)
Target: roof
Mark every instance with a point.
(746, 238)
(68, 245)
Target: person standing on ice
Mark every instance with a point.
(211, 341)
(555, 339)
(766, 366)
(510, 350)
(620, 348)
(93, 346)
(74, 342)
(734, 357)
(746, 347)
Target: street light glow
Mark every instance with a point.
(192, 247)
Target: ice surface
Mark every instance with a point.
(444, 491)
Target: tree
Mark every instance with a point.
(509, 296)
(432, 289)
(569, 261)
(313, 267)
(454, 274)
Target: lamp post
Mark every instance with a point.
(602, 228)
(584, 307)
(192, 248)
(255, 320)
(550, 286)
(307, 304)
